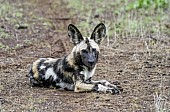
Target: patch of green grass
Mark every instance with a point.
(27, 41)
(9, 12)
(1, 87)
(11, 15)
(155, 4)
(4, 34)
(121, 16)
(5, 8)
(4, 47)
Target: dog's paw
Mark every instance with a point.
(115, 90)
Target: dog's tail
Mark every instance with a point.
(30, 72)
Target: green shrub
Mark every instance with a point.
(148, 4)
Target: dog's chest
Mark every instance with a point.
(87, 74)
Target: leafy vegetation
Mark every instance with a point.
(148, 4)
(128, 18)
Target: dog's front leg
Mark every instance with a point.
(97, 86)
(102, 82)
(115, 88)
(82, 87)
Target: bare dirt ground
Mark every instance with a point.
(140, 72)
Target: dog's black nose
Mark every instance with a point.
(91, 61)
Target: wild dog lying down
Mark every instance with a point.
(74, 71)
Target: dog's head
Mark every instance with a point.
(86, 49)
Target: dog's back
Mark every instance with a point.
(51, 72)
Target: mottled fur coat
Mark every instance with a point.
(75, 70)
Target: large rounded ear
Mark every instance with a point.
(74, 34)
(99, 33)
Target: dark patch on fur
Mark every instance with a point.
(58, 70)
(63, 65)
(49, 82)
(95, 88)
(66, 65)
(78, 60)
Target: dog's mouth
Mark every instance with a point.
(90, 66)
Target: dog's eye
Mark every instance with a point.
(84, 51)
(93, 49)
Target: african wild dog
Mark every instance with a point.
(74, 71)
